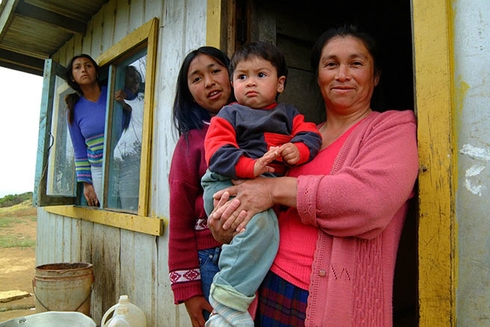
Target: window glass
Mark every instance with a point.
(61, 169)
(126, 125)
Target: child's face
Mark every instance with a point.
(256, 83)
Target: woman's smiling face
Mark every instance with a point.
(346, 74)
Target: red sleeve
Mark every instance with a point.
(306, 137)
(184, 181)
(220, 133)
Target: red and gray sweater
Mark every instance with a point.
(239, 135)
(188, 230)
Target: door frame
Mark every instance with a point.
(434, 105)
(433, 85)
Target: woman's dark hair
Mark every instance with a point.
(370, 43)
(72, 99)
(264, 50)
(132, 77)
(188, 114)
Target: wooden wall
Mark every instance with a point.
(128, 262)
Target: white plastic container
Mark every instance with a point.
(124, 314)
(120, 318)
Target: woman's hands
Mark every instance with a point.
(215, 223)
(90, 195)
(251, 196)
(194, 306)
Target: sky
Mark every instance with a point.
(20, 103)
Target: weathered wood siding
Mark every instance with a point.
(127, 262)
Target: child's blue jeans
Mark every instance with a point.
(246, 260)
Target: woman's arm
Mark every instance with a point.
(184, 183)
(371, 181)
(90, 196)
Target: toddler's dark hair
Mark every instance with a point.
(264, 50)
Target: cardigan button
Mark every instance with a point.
(322, 273)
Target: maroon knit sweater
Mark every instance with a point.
(188, 222)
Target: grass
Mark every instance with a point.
(20, 241)
(11, 218)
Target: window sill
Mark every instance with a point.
(135, 223)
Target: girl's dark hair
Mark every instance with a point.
(72, 99)
(187, 114)
(370, 43)
(264, 50)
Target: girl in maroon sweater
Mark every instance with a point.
(203, 88)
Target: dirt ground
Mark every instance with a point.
(17, 264)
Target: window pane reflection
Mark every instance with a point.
(61, 169)
(127, 131)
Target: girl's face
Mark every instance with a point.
(84, 72)
(209, 83)
(346, 75)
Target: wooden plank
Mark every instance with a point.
(138, 262)
(57, 243)
(97, 33)
(129, 42)
(145, 268)
(136, 16)
(41, 225)
(60, 21)
(86, 248)
(148, 119)
(9, 296)
(6, 16)
(86, 41)
(108, 26)
(437, 228)
(67, 240)
(110, 271)
(213, 23)
(76, 241)
(154, 9)
(121, 20)
(173, 47)
(145, 225)
(97, 260)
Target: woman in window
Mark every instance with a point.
(86, 123)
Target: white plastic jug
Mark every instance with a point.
(125, 314)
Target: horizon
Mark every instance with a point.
(4, 194)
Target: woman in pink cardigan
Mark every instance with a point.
(341, 214)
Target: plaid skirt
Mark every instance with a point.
(281, 304)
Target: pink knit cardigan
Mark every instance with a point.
(360, 209)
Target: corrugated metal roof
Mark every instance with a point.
(33, 30)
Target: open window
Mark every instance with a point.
(129, 68)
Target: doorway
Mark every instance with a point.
(294, 26)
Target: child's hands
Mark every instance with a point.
(289, 153)
(261, 165)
